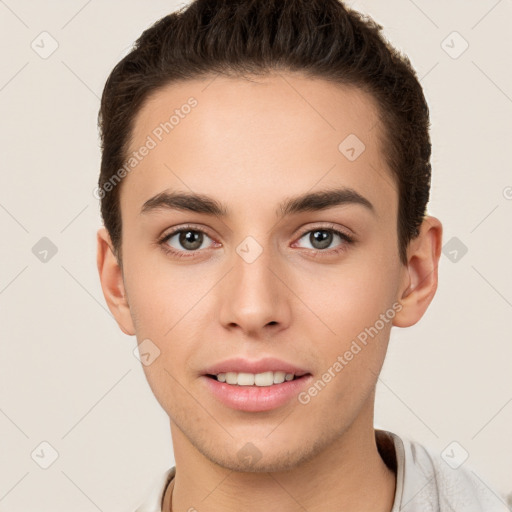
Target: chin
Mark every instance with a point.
(262, 456)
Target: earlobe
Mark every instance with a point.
(112, 282)
(420, 280)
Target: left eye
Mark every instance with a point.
(322, 238)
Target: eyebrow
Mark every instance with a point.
(313, 201)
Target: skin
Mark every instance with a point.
(251, 144)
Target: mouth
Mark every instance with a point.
(264, 379)
(256, 392)
(255, 385)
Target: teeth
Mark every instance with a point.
(280, 377)
(252, 379)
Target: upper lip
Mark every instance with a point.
(267, 364)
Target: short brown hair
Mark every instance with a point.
(320, 38)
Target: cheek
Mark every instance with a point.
(165, 371)
(160, 296)
(349, 300)
(357, 306)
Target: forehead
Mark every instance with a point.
(241, 140)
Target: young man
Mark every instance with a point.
(264, 181)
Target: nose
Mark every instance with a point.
(254, 297)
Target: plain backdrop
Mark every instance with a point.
(73, 395)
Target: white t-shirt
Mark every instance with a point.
(424, 481)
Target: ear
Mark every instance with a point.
(419, 278)
(112, 282)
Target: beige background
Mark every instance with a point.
(68, 375)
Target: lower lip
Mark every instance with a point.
(256, 398)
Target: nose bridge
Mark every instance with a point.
(253, 283)
(254, 296)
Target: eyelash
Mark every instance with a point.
(347, 240)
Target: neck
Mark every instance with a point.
(348, 475)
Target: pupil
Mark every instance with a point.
(191, 237)
(324, 238)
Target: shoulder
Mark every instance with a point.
(153, 501)
(429, 481)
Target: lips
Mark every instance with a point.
(255, 398)
(267, 364)
(260, 396)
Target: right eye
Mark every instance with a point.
(190, 239)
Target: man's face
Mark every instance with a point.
(253, 283)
